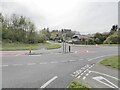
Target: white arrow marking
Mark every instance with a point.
(105, 74)
(99, 78)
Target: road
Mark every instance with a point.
(54, 69)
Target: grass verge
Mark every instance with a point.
(21, 46)
(76, 84)
(109, 44)
(111, 62)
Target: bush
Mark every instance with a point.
(42, 38)
(76, 84)
(112, 39)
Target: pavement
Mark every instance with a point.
(54, 69)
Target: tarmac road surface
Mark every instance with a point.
(54, 69)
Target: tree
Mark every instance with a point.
(97, 41)
(42, 38)
(31, 33)
(90, 41)
(46, 32)
(112, 39)
(18, 29)
(99, 38)
(113, 29)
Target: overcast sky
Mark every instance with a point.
(85, 17)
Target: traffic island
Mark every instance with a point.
(78, 85)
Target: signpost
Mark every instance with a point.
(64, 43)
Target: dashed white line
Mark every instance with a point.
(87, 69)
(72, 60)
(31, 63)
(17, 64)
(48, 82)
(81, 73)
(84, 71)
(84, 77)
(43, 63)
(4, 65)
(79, 76)
(81, 59)
(64, 61)
(87, 74)
(54, 62)
(83, 68)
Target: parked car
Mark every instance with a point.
(59, 41)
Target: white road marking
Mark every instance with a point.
(84, 71)
(17, 64)
(43, 63)
(99, 78)
(75, 51)
(31, 63)
(105, 75)
(76, 74)
(83, 68)
(87, 74)
(84, 78)
(57, 53)
(72, 75)
(54, 62)
(81, 59)
(48, 82)
(72, 60)
(87, 69)
(81, 73)
(64, 61)
(98, 57)
(4, 65)
(17, 55)
(79, 76)
(35, 55)
(91, 66)
(95, 58)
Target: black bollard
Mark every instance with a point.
(69, 48)
(30, 51)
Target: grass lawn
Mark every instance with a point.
(111, 62)
(21, 46)
(76, 84)
(109, 44)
